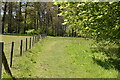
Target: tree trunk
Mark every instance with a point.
(25, 17)
(34, 22)
(20, 15)
(72, 32)
(37, 21)
(3, 19)
(10, 18)
(119, 42)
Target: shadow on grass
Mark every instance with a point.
(113, 60)
(108, 64)
(109, 51)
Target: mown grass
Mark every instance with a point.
(62, 57)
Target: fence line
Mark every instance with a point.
(3, 58)
(21, 46)
(1, 48)
(11, 55)
(33, 41)
(4, 61)
(26, 44)
(30, 44)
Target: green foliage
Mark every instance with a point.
(30, 31)
(33, 31)
(99, 20)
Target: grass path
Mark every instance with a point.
(54, 60)
(60, 58)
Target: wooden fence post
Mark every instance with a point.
(11, 54)
(33, 41)
(21, 46)
(30, 44)
(1, 50)
(26, 44)
(38, 37)
(5, 63)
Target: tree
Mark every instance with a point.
(25, 18)
(37, 17)
(3, 19)
(10, 18)
(20, 17)
(99, 20)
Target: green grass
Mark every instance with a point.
(61, 57)
(8, 39)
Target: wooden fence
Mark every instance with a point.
(3, 59)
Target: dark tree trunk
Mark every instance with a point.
(3, 19)
(51, 22)
(20, 16)
(37, 20)
(46, 24)
(10, 18)
(25, 18)
(119, 42)
(34, 23)
(69, 33)
(72, 32)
